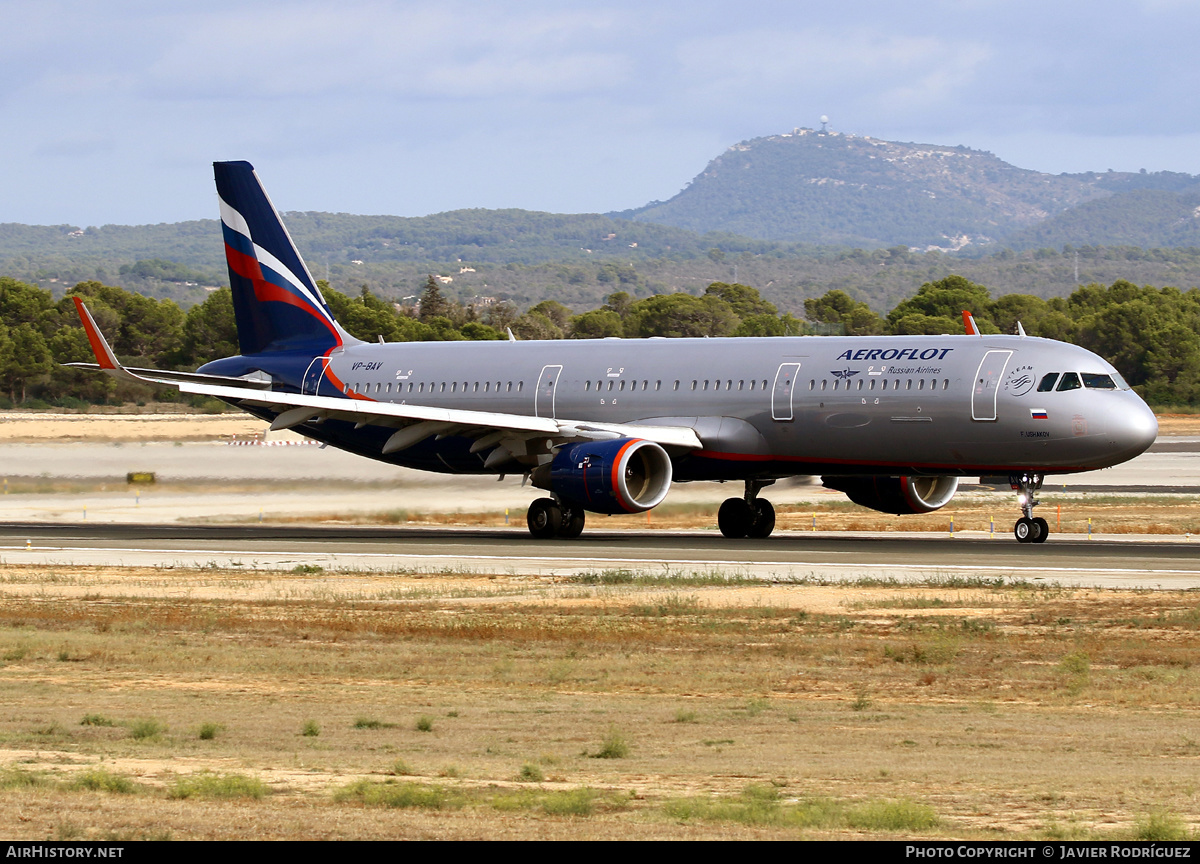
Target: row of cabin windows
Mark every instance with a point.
(1093, 381)
(454, 387)
(619, 386)
(884, 384)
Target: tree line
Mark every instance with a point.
(1152, 335)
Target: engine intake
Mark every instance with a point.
(628, 475)
(899, 495)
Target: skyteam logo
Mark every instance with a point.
(895, 354)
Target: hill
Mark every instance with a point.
(832, 188)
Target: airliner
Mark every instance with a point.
(607, 426)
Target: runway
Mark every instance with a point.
(788, 556)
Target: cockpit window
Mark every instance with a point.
(1070, 381)
(1122, 384)
(1047, 383)
(1098, 382)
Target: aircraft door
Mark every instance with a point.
(311, 384)
(986, 387)
(543, 400)
(781, 395)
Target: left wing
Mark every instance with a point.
(510, 437)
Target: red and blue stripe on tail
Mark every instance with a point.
(277, 304)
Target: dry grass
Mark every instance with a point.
(723, 710)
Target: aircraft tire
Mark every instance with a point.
(572, 523)
(1024, 530)
(1043, 530)
(735, 518)
(764, 518)
(544, 518)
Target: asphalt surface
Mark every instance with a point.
(1063, 559)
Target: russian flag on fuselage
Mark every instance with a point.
(277, 304)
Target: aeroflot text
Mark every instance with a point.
(895, 354)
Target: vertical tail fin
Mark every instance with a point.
(277, 304)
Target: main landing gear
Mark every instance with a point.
(749, 516)
(1029, 529)
(548, 518)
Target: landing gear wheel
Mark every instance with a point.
(1024, 530)
(572, 523)
(735, 518)
(544, 518)
(1043, 529)
(764, 518)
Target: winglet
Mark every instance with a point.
(969, 324)
(104, 355)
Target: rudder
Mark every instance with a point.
(276, 303)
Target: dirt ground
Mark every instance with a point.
(176, 703)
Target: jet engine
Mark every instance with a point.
(899, 495)
(626, 475)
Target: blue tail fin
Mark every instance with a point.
(277, 304)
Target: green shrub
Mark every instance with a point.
(220, 786)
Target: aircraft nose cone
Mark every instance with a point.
(1134, 430)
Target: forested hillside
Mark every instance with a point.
(817, 187)
(1151, 335)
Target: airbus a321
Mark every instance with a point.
(606, 426)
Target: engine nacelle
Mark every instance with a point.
(899, 495)
(627, 475)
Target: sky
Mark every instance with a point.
(112, 113)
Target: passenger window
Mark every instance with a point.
(1047, 382)
(860, 383)
(509, 388)
(920, 383)
(883, 384)
(1070, 381)
(824, 381)
(587, 385)
(442, 387)
(676, 387)
(622, 387)
(520, 384)
(945, 383)
(872, 383)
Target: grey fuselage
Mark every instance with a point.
(766, 407)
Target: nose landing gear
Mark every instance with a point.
(749, 516)
(1029, 529)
